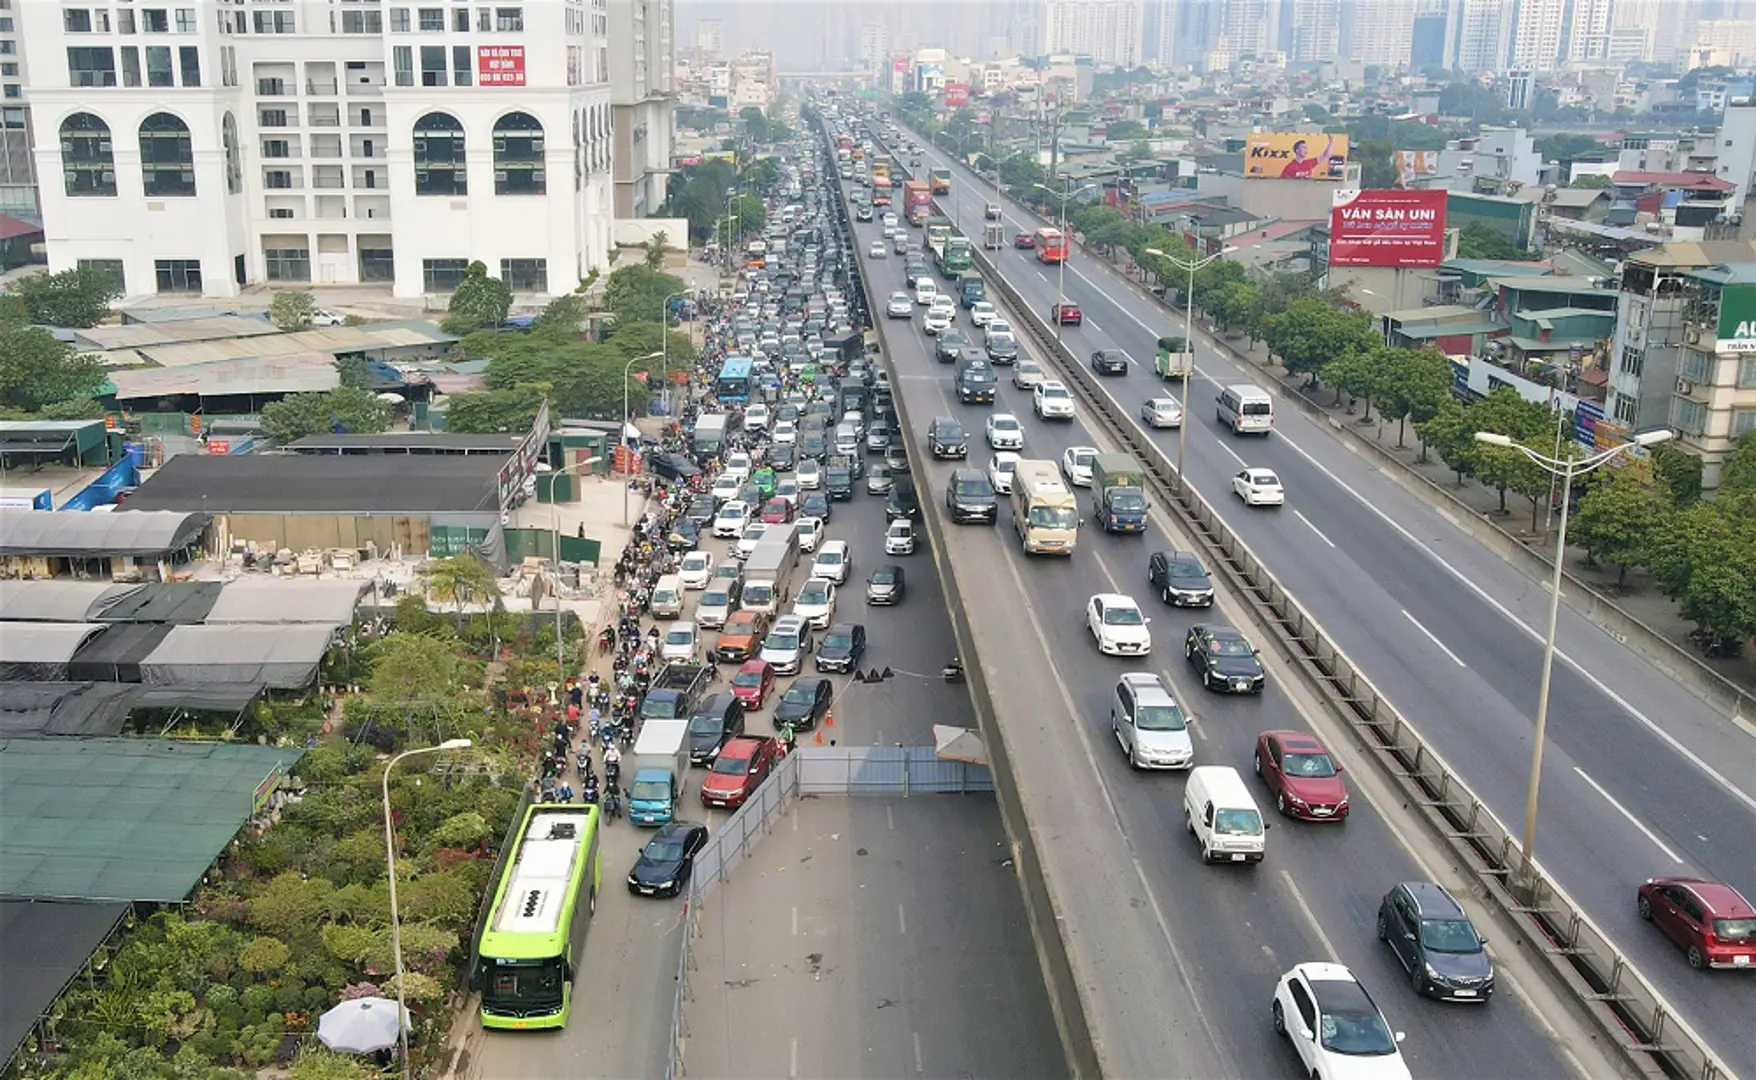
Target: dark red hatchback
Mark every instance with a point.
(1712, 921)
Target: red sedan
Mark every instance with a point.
(1712, 921)
(753, 683)
(1024, 241)
(1305, 780)
(1066, 312)
(777, 511)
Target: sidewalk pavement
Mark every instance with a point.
(606, 510)
(1637, 595)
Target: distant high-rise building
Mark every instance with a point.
(1588, 30)
(710, 39)
(643, 110)
(1316, 31)
(1483, 32)
(1518, 92)
(1248, 27)
(1108, 31)
(874, 45)
(1192, 25)
(1539, 34)
(1430, 43)
(1379, 31)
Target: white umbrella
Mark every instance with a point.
(361, 1026)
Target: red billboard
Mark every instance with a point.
(1387, 228)
(500, 65)
(956, 95)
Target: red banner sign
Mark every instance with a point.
(1387, 228)
(500, 65)
(956, 95)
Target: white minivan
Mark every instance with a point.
(1246, 409)
(666, 601)
(1218, 809)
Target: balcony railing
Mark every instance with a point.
(320, 87)
(325, 120)
(271, 88)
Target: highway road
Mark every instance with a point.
(621, 1026)
(1212, 940)
(1639, 779)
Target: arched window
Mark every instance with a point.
(518, 155)
(234, 164)
(439, 156)
(88, 161)
(167, 157)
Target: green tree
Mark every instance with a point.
(37, 371)
(755, 123)
(1410, 384)
(1590, 180)
(1478, 241)
(1504, 412)
(291, 309)
(288, 907)
(1706, 559)
(78, 297)
(264, 955)
(1567, 148)
(1738, 472)
(1377, 161)
(415, 668)
(493, 412)
(355, 371)
(1121, 131)
(315, 1063)
(655, 250)
(1679, 471)
(1617, 520)
(1356, 374)
(14, 312)
(637, 293)
(460, 580)
(479, 300)
(344, 409)
(1310, 334)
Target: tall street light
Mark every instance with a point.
(628, 418)
(555, 523)
(402, 1028)
(1566, 469)
(1190, 265)
(1066, 241)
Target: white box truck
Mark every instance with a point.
(768, 572)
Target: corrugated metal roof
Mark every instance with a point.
(300, 373)
(1697, 253)
(1693, 180)
(336, 339)
(141, 335)
(1576, 197)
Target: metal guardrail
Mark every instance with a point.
(806, 771)
(1630, 1011)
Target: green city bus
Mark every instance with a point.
(531, 948)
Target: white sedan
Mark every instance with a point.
(816, 602)
(1052, 399)
(786, 432)
(877, 250)
(680, 641)
(833, 562)
(982, 313)
(696, 569)
(899, 306)
(1258, 487)
(1335, 1026)
(1005, 432)
(726, 487)
(756, 417)
(748, 538)
(1000, 471)
(809, 474)
(1117, 625)
(935, 320)
(1161, 412)
(1026, 374)
(810, 530)
(731, 519)
(1076, 465)
(999, 326)
(738, 465)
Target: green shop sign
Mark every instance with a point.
(1737, 319)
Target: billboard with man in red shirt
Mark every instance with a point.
(1294, 155)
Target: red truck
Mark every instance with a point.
(916, 196)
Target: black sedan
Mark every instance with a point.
(701, 510)
(667, 860)
(814, 504)
(782, 456)
(885, 586)
(842, 647)
(805, 704)
(1109, 362)
(1180, 579)
(683, 535)
(669, 466)
(950, 345)
(1225, 659)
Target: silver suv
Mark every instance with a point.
(1149, 724)
(787, 644)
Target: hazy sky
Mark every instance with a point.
(805, 34)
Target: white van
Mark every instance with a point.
(1246, 409)
(1218, 809)
(667, 597)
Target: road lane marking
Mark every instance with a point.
(1318, 531)
(920, 1066)
(1434, 638)
(890, 817)
(1044, 276)
(1632, 820)
(793, 1065)
(1310, 917)
(902, 920)
(1232, 452)
(795, 920)
(1093, 324)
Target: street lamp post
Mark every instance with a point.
(1191, 266)
(1066, 244)
(402, 1030)
(1567, 469)
(555, 523)
(628, 419)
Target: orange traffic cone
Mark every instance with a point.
(817, 740)
(829, 718)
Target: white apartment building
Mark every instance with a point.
(752, 81)
(1482, 34)
(874, 46)
(710, 39)
(1108, 31)
(1316, 31)
(643, 102)
(217, 145)
(1380, 32)
(1537, 34)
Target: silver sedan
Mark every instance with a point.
(1161, 412)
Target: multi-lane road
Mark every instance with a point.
(1639, 777)
(1229, 933)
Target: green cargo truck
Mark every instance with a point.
(1118, 485)
(1176, 358)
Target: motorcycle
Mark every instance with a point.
(953, 671)
(612, 802)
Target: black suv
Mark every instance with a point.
(903, 502)
(1435, 941)
(946, 438)
(718, 719)
(949, 345)
(1180, 579)
(1109, 362)
(975, 378)
(970, 497)
(1002, 348)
